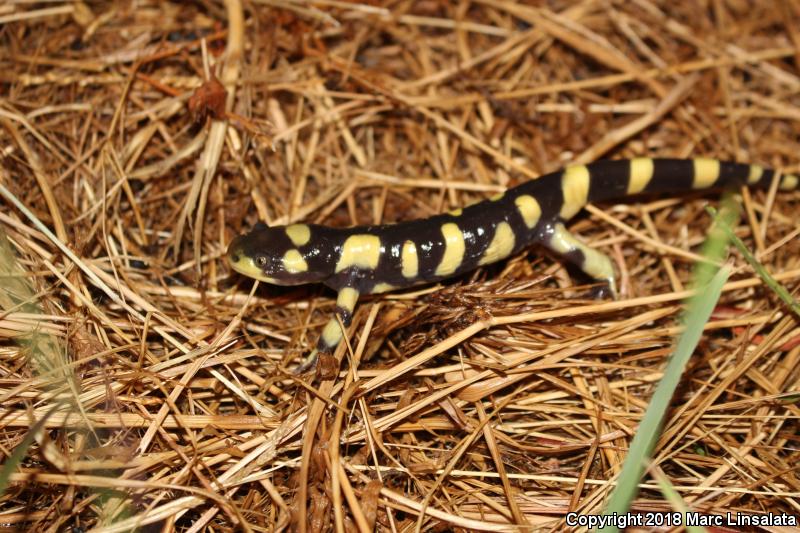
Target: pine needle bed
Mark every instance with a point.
(143, 382)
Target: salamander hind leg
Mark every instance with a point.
(334, 329)
(592, 262)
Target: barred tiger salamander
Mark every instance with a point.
(372, 259)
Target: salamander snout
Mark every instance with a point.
(245, 261)
(234, 250)
(238, 256)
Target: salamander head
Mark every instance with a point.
(277, 255)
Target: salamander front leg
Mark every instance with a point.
(594, 263)
(333, 332)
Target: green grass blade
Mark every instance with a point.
(709, 279)
(21, 449)
(675, 499)
(759, 269)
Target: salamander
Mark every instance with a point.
(373, 259)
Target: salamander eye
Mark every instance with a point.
(261, 261)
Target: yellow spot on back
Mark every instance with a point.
(641, 174)
(409, 259)
(706, 172)
(293, 262)
(363, 251)
(529, 208)
(497, 196)
(789, 182)
(455, 212)
(453, 249)
(347, 298)
(501, 246)
(299, 234)
(575, 188)
(755, 174)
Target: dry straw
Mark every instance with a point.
(142, 382)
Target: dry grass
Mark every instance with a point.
(158, 379)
